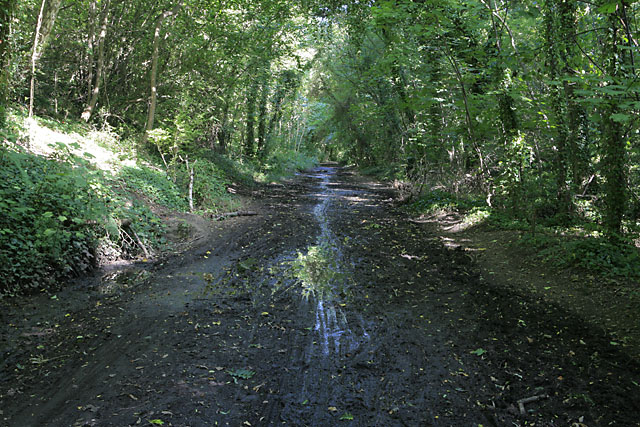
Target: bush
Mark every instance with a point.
(234, 171)
(596, 255)
(438, 200)
(155, 185)
(210, 186)
(601, 256)
(284, 163)
(49, 213)
(57, 214)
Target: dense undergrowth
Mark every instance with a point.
(577, 244)
(62, 211)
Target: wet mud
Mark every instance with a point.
(328, 308)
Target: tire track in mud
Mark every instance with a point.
(339, 372)
(312, 358)
(105, 349)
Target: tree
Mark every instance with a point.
(249, 145)
(616, 63)
(6, 13)
(153, 76)
(560, 40)
(46, 20)
(93, 98)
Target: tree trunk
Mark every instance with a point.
(90, 40)
(277, 106)
(262, 118)
(191, 170)
(46, 20)
(249, 145)
(467, 116)
(6, 12)
(222, 132)
(34, 58)
(559, 40)
(613, 142)
(151, 114)
(86, 114)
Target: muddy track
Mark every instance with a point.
(329, 308)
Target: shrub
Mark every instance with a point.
(54, 215)
(598, 256)
(49, 212)
(155, 185)
(438, 200)
(284, 163)
(210, 186)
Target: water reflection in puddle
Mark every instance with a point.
(321, 273)
(120, 280)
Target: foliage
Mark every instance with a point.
(58, 216)
(241, 373)
(210, 186)
(48, 214)
(596, 255)
(439, 200)
(284, 163)
(155, 185)
(388, 172)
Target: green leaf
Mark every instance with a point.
(157, 422)
(479, 351)
(62, 218)
(346, 417)
(608, 7)
(241, 373)
(620, 118)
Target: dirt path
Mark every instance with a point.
(329, 308)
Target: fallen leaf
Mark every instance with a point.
(346, 416)
(479, 351)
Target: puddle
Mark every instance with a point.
(323, 277)
(319, 273)
(118, 281)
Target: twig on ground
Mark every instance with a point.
(232, 214)
(522, 402)
(139, 242)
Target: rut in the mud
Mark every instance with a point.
(329, 308)
(328, 286)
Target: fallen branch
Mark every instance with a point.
(232, 214)
(419, 221)
(139, 242)
(521, 402)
